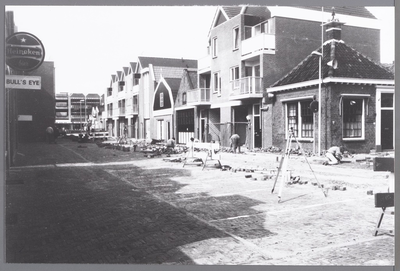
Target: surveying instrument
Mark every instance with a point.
(283, 165)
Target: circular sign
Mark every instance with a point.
(24, 51)
(314, 106)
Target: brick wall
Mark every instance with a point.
(331, 118)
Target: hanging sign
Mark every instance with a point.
(24, 51)
(23, 82)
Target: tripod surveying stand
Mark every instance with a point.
(284, 164)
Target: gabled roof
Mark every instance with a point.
(191, 78)
(125, 70)
(133, 66)
(232, 11)
(350, 64)
(113, 78)
(167, 72)
(120, 76)
(166, 62)
(174, 84)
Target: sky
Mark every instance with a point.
(90, 43)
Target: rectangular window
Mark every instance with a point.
(292, 117)
(300, 119)
(235, 38)
(306, 120)
(234, 77)
(214, 47)
(217, 83)
(353, 118)
(184, 101)
(161, 99)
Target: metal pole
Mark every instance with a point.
(319, 83)
(80, 114)
(319, 107)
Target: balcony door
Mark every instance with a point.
(252, 73)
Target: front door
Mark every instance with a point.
(387, 129)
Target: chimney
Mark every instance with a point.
(333, 28)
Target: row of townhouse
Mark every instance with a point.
(251, 83)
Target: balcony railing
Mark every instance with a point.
(257, 43)
(247, 87)
(135, 108)
(132, 109)
(199, 96)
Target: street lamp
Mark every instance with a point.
(80, 112)
(320, 99)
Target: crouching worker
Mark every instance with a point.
(235, 142)
(171, 145)
(334, 155)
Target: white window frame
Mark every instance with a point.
(216, 83)
(234, 77)
(362, 98)
(214, 47)
(161, 100)
(298, 119)
(235, 35)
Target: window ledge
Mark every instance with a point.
(354, 139)
(302, 139)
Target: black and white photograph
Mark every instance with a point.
(199, 135)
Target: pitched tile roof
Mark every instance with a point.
(174, 84)
(167, 62)
(232, 11)
(348, 10)
(351, 64)
(167, 72)
(133, 66)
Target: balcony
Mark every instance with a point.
(261, 43)
(204, 64)
(246, 88)
(200, 96)
(132, 109)
(109, 113)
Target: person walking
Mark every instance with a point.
(50, 135)
(235, 142)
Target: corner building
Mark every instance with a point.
(250, 48)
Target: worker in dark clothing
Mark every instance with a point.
(235, 142)
(50, 135)
(171, 145)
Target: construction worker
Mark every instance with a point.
(170, 145)
(235, 142)
(334, 155)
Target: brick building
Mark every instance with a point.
(250, 48)
(355, 108)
